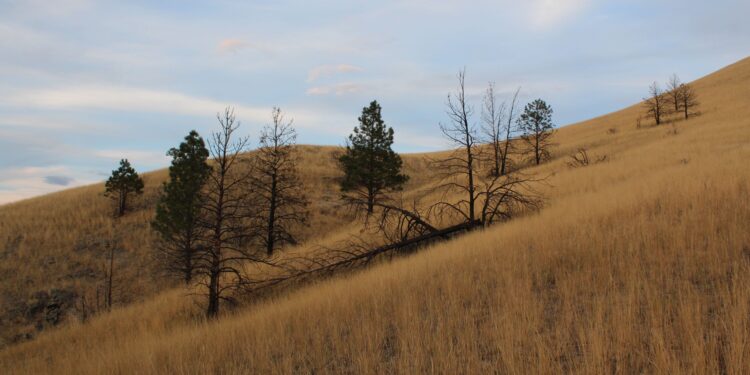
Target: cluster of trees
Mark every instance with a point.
(479, 184)
(679, 98)
(223, 208)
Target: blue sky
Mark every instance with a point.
(84, 83)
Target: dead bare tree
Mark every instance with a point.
(493, 115)
(582, 159)
(673, 93)
(458, 171)
(226, 214)
(505, 163)
(655, 104)
(404, 226)
(688, 100)
(281, 201)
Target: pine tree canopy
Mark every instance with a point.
(370, 165)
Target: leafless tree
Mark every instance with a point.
(505, 164)
(655, 104)
(485, 199)
(281, 200)
(227, 215)
(582, 159)
(688, 100)
(673, 93)
(493, 115)
(407, 225)
(458, 171)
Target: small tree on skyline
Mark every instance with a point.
(674, 93)
(536, 126)
(655, 103)
(123, 182)
(688, 100)
(370, 166)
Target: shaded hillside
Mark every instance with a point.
(53, 249)
(639, 264)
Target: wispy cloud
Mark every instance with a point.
(329, 70)
(338, 89)
(231, 45)
(125, 99)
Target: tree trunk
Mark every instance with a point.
(213, 292)
(370, 200)
(188, 259)
(121, 205)
(470, 170)
(271, 218)
(109, 276)
(496, 170)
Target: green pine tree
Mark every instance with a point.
(370, 166)
(123, 182)
(178, 209)
(536, 126)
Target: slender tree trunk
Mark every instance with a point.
(109, 276)
(496, 170)
(188, 258)
(370, 200)
(536, 148)
(213, 292)
(685, 108)
(121, 205)
(470, 170)
(215, 271)
(271, 217)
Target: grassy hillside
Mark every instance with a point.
(56, 245)
(639, 264)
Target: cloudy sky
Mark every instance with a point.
(84, 83)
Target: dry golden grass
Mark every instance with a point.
(639, 264)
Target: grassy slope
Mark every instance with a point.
(638, 264)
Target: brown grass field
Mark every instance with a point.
(640, 264)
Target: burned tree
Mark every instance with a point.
(505, 163)
(178, 209)
(492, 127)
(655, 104)
(371, 168)
(281, 203)
(480, 199)
(123, 182)
(582, 159)
(226, 216)
(536, 126)
(673, 94)
(688, 100)
(459, 171)
(493, 116)
(497, 128)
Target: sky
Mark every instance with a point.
(84, 83)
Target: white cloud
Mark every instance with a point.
(126, 99)
(231, 45)
(546, 14)
(329, 70)
(338, 89)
